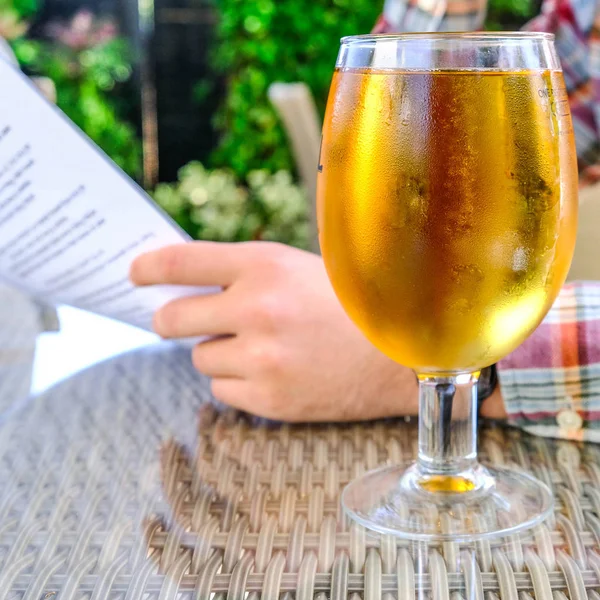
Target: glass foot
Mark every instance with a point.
(484, 502)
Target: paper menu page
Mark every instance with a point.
(71, 222)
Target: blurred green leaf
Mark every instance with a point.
(87, 80)
(511, 14)
(23, 9)
(26, 51)
(202, 89)
(262, 42)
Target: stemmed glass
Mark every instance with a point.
(447, 199)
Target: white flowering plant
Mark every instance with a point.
(212, 205)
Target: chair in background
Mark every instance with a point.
(295, 106)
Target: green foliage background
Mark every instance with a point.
(510, 14)
(268, 41)
(87, 81)
(23, 8)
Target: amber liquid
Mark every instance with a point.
(447, 209)
(447, 484)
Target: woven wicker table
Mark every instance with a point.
(126, 483)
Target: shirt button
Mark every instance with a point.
(569, 420)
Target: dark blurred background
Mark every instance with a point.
(177, 45)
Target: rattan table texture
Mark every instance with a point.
(126, 482)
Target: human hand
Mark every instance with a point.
(286, 349)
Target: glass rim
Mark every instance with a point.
(475, 35)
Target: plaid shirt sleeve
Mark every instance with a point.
(551, 384)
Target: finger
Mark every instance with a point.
(233, 392)
(220, 358)
(194, 316)
(197, 263)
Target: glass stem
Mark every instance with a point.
(447, 424)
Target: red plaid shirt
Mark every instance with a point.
(551, 384)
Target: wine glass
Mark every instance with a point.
(447, 201)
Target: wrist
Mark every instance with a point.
(493, 406)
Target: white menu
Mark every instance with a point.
(71, 222)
